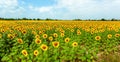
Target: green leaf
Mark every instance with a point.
(5, 58)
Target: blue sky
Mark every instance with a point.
(60, 9)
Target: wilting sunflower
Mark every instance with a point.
(97, 38)
(55, 35)
(24, 52)
(67, 40)
(37, 41)
(109, 36)
(55, 44)
(117, 35)
(50, 38)
(74, 44)
(20, 41)
(44, 47)
(37, 36)
(36, 52)
(45, 36)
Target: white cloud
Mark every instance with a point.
(41, 9)
(85, 9)
(64, 9)
(8, 3)
(10, 8)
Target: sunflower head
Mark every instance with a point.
(78, 32)
(45, 36)
(36, 52)
(72, 30)
(37, 36)
(20, 41)
(40, 32)
(62, 34)
(44, 47)
(117, 35)
(97, 38)
(67, 40)
(10, 36)
(109, 36)
(55, 44)
(62, 31)
(34, 32)
(74, 44)
(55, 35)
(37, 41)
(50, 38)
(11, 31)
(2, 30)
(24, 52)
(24, 31)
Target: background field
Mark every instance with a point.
(59, 41)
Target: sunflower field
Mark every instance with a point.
(58, 41)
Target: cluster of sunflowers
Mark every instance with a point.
(58, 41)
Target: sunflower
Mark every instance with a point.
(40, 32)
(74, 44)
(55, 35)
(97, 38)
(62, 34)
(78, 32)
(109, 36)
(67, 40)
(34, 32)
(24, 31)
(37, 41)
(62, 31)
(37, 36)
(55, 44)
(43, 31)
(24, 52)
(20, 41)
(10, 36)
(2, 30)
(72, 30)
(11, 31)
(117, 35)
(45, 36)
(50, 38)
(44, 47)
(36, 52)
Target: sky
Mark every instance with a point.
(60, 9)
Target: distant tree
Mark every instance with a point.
(103, 19)
(114, 19)
(24, 18)
(48, 19)
(77, 20)
(38, 19)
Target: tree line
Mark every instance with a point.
(48, 19)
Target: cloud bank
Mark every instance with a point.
(64, 9)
